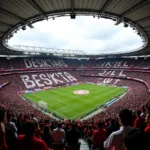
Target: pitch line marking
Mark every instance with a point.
(55, 111)
(86, 111)
(62, 108)
(59, 101)
(63, 102)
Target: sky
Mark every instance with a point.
(91, 35)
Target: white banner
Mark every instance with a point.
(47, 79)
(44, 63)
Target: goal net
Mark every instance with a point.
(43, 104)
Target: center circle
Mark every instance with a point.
(81, 92)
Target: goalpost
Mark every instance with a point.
(43, 104)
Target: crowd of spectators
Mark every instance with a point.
(42, 132)
(18, 63)
(128, 131)
(133, 99)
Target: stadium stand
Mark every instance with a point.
(112, 69)
(123, 124)
(113, 72)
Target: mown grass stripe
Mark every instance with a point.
(64, 103)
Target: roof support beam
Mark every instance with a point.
(12, 15)
(147, 27)
(107, 3)
(5, 24)
(34, 4)
(72, 5)
(2, 32)
(135, 7)
(143, 19)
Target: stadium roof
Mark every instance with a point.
(15, 14)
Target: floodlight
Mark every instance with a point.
(23, 27)
(118, 21)
(125, 25)
(30, 25)
(73, 16)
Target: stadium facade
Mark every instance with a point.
(18, 15)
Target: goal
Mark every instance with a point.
(43, 104)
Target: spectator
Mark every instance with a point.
(89, 136)
(136, 140)
(33, 118)
(148, 109)
(99, 136)
(11, 133)
(19, 124)
(29, 141)
(111, 128)
(115, 140)
(13, 119)
(3, 145)
(37, 130)
(10, 125)
(24, 119)
(143, 114)
(147, 120)
(72, 137)
(46, 136)
(58, 134)
(139, 122)
(52, 126)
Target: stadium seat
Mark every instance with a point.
(70, 148)
(57, 146)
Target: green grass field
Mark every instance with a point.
(66, 104)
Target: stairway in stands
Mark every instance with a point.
(84, 145)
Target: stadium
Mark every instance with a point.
(63, 89)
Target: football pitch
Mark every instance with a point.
(66, 104)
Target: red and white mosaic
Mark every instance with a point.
(81, 92)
